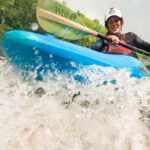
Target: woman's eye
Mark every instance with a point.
(110, 22)
(116, 20)
(113, 21)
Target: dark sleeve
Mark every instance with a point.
(98, 45)
(139, 43)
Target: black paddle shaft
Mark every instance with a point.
(124, 45)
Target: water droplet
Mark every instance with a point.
(34, 26)
(36, 52)
(50, 56)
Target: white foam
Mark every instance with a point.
(66, 115)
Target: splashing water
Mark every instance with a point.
(34, 26)
(64, 115)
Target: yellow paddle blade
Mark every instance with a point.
(56, 18)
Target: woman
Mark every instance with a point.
(114, 22)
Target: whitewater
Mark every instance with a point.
(63, 114)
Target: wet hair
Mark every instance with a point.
(106, 22)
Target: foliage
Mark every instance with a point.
(16, 14)
(88, 40)
(20, 14)
(144, 59)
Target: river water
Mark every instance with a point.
(64, 115)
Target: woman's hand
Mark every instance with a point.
(115, 40)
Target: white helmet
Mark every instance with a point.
(112, 12)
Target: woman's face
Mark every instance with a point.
(114, 24)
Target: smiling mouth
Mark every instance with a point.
(115, 28)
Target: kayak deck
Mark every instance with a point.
(29, 51)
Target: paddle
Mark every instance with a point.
(56, 18)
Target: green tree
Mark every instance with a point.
(20, 14)
(64, 2)
(26, 10)
(5, 6)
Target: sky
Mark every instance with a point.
(135, 12)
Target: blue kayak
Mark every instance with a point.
(30, 51)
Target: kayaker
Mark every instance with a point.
(114, 22)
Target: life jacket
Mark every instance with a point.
(118, 48)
